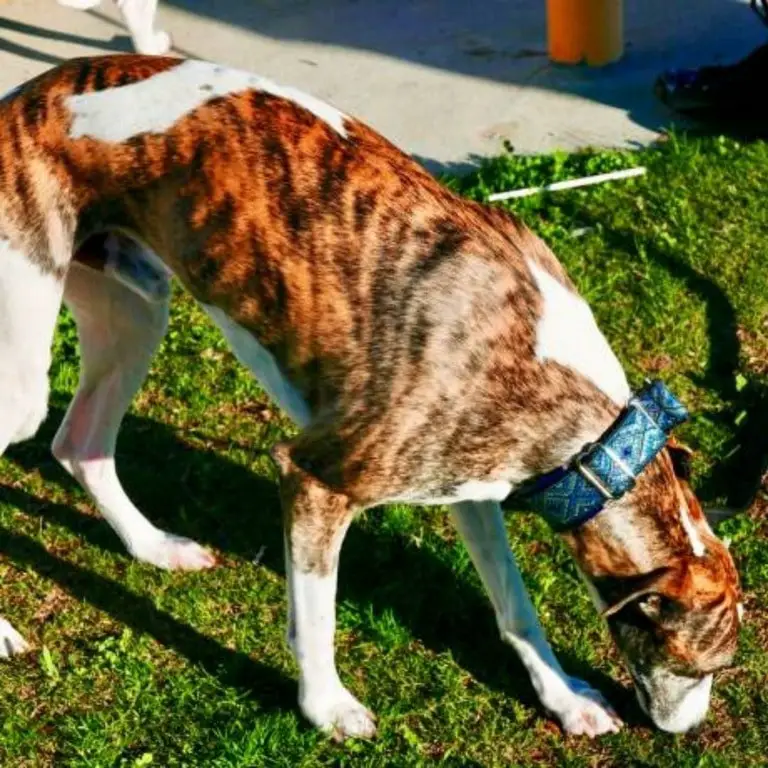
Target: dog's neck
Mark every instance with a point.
(650, 526)
(645, 530)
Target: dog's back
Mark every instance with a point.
(377, 290)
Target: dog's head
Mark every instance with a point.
(676, 628)
(669, 590)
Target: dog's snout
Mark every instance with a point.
(675, 705)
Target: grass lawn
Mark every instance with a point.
(136, 667)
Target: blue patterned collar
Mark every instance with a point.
(605, 470)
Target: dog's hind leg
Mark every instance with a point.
(580, 709)
(119, 331)
(30, 297)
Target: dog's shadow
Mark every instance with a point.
(238, 513)
(738, 476)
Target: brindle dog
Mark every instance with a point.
(432, 350)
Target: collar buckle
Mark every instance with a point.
(588, 474)
(606, 469)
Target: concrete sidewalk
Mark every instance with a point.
(446, 80)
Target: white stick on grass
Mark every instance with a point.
(586, 181)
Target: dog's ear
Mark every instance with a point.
(681, 456)
(648, 592)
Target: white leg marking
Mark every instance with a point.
(323, 699)
(262, 365)
(157, 103)
(119, 333)
(29, 305)
(11, 642)
(567, 333)
(580, 709)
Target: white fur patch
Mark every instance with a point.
(697, 545)
(79, 5)
(676, 705)
(472, 490)
(477, 490)
(11, 642)
(323, 699)
(567, 334)
(29, 305)
(312, 607)
(262, 365)
(157, 103)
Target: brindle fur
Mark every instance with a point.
(383, 296)
(404, 314)
(698, 627)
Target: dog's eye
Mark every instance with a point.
(659, 610)
(651, 606)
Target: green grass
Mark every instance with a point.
(136, 667)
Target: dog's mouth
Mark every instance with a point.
(676, 711)
(641, 694)
(643, 699)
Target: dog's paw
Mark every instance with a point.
(340, 715)
(158, 44)
(173, 553)
(585, 712)
(11, 642)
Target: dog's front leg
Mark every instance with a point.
(580, 709)
(316, 520)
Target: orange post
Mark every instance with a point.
(585, 30)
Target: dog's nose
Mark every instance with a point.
(681, 713)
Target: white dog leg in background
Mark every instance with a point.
(139, 18)
(580, 709)
(11, 642)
